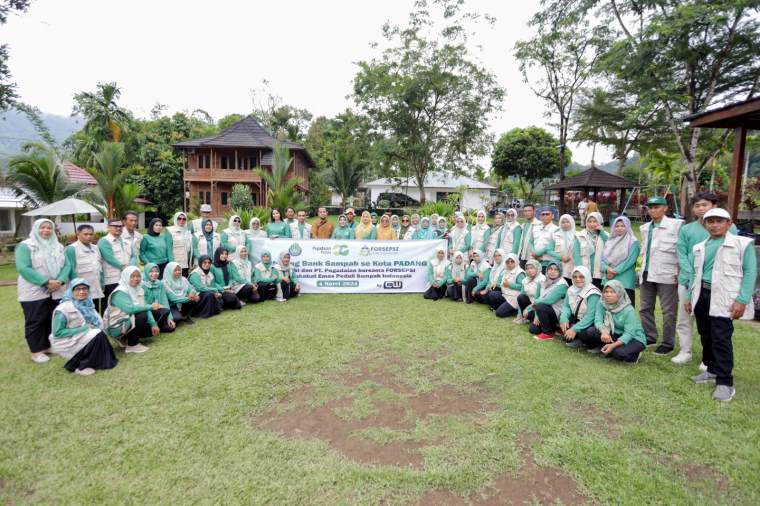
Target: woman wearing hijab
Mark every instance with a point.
(403, 227)
(493, 236)
(156, 247)
(203, 281)
(396, 226)
(459, 237)
(579, 308)
(620, 254)
(480, 269)
(414, 226)
(343, 231)
(289, 286)
(235, 290)
(254, 232)
(365, 230)
(511, 232)
(434, 222)
(438, 275)
(589, 247)
(618, 332)
(548, 306)
(184, 300)
(155, 292)
(233, 236)
(77, 336)
(479, 231)
(206, 241)
(425, 232)
(442, 229)
(385, 231)
(564, 242)
(457, 277)
(182, 242)
(531, 290)
(41, 266)
(276, 227)
(128, 317)
(511, 285)
(491, 294)
(266, 277)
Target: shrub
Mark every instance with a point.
(246, 215)
(241, 197)
(441, 208)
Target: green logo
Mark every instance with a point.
(340, 250)
(295, 250)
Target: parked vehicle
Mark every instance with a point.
(397, 200)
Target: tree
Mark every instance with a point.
(8, 88)
(105, 121)
(663, 169)
(38, 175)
(241, 196)
(228, 121)
(427, 95)
(109, 174)
(282, 191)
(345, 174)
(529, 155)
(284, 122)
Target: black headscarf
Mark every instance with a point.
(153, 222)
(202, 259)
(222, 265)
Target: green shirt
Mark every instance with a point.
(106, 253)
(627, 324)
(124, 302)
(156, 249)
(588, 319)
(689, 236)
(343, 233)
(59, 327)
(279, 229)
(24, 267)
(625, 271)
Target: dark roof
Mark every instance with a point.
(745, 114)
(592, 178)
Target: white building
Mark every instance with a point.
(11, 208)
(437, 186)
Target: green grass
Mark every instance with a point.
(174, 426)
(8, 271)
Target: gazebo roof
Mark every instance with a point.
(745, 114)
(593, 178)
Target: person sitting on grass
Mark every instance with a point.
(457, 276)
(289, 286)
(155, 292)
(77, 334)
(548, 306)
(128, 318)
(244, 266)
(266, 277)
(491, 294)
(438, 275)
(579, 308)
(618, 331)
(343, 231)
(620, 254)
(530, 291)
(477, 279)
(511, 284)
(234, 288)
(203, 281)
(184, 300)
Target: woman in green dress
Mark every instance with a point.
(477, 277)
(235, 290)
(548, 306)
(492, 291)
(184, 300)
(234, 235)
(155, 292)
(205, 241)
(266, 277)
(157, 246)
(203, 281)
(343, 231)
(438, 275)
(579, 308)
(531, 290)
(511, 285)
(620, 254)
(277, 227)
(457, 277)
(128, 317)
(589, 247)
(289, 285)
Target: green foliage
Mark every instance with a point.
(110, 174)
(319, 191)
(105, 121)
(663, 169)
(262, 213)
(245, 213)
(241, 196)
(38, 175)
(344, 176)
(282, 191)
(443, 207)
(284, 122)
(229, 120)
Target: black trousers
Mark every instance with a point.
(208, 305)
(107, 290)
(185, 272)
(469, 287)
(597, 282)
(267, 291)
(494, 299)
(38, 322)
(717, 347)
(631, 295)
(548, 323)
(140, 330)
(454, 291)
(97, 354)
(581, 334)
(162, 319)
(289, 290)
(506, 309)
(230, 301)
(592, 338)
(435, 292)
(523, 301)
(161, 268)
(248, 294)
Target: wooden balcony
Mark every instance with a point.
(231, 175)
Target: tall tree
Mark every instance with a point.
(105, 121)
(284, 122)
(38, 175)
(282, 191)
(7, 87)
(427, 95)
(109, 173)
(344, 175)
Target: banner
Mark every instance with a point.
(335, 266)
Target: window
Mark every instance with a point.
(224, 162)
(5, 220)
(204, 160)
(224, 198)
(205, 197)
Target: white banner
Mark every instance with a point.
(335, 266)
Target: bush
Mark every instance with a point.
(441, 208)
(241, 197)
(246, 215)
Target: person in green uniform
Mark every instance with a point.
(289, 284)
(206, 240)
(266, 277)
(438, 275)
(541, 240)
(579, 308)
(156, 247)
(457, 277)
(184, 301)
(343, 231)
(128, 317)
(477, 278)
(530, 291)
(236, 290)
(589, 246)
(425, 232)
(276, 227)
(620, 254)
(459, 237)
(548, 306)
(83, 259)
(234, 235)
(155, 292)
(511, 284)
(512, 232)
(203, 281)
(491, 292)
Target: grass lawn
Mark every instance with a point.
(366, 399)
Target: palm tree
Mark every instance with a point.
(345, 174)
(109, 173)
(105, 120)
(38, 175)
(281, 190)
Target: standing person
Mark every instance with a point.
(493, 239)
(659, 274)
(197, 224)
(591, 206)
(582, 205)
(290, 217)
(542, 238)
(414, 226)
(130, 235)
(579, 309)
(589, 247)
(530, 291)
(385, 231)
(300, 229)
(77, 334)
(511, 284)
(512, 233)
(157, 246)
(404, 226)
(479, 232)
(289, 285)
(620, 254)
(254, 232)
(365, 229)
(84, 261)
(42, 269)
(443, 228)
(724, 276)
(524, 252)
(564, 242)
(373, 217)
(455, 288)
(492, 291)
(477, 278)
(234, 235)
(182, 242)
(459, 237)
(617, 331)
(203, 281)
(116, 256)
(343, 231)
(128, 318)
(184, 301)
(425, 232)
(266, 277)
(438, 275)
(206, 241)
(322, 228)
(548, 306)
(689, 236)
(396, 226)
(154, 291)
(350, 214)
(276, 227)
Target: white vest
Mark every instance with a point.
(477, 235)
(663, 265)
(591, 245)
(115, 318)
(29, 292)
(531, 287)
(181, 250)
(493, 241)
(207, 280)
(527, 228)
(563, 249)
(582, 298)
(727, 276)
(508, 237)
(542, 234)
(203, 244)
(233, 241)
(132, 241)
(67, 347)
(89, 267)
(509, 293)
(296, 233)
(557, 306)
(121, 252)
(197, 225)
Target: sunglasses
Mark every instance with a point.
(181, 219)
(115, 226)
(547, 214)
(235, 221)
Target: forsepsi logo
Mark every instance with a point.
(340, 250)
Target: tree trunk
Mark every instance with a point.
(621, 164)
(110, 207)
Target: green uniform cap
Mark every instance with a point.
(657, 201)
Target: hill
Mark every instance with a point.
(15, 130)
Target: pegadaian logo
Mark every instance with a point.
(295, 250)
(340, 250)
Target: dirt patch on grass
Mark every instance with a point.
(533, 484)
(598, 420)
(377, 399)
(703, 477)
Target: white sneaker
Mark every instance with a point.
(40, 358)
(88, 371)
(281, 299)
(702, 367)
(138, 348)
(681, 358)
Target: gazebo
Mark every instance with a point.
(591, 181)
(741, 116)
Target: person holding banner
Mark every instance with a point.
(511, 285)
(479, 272)
(365, 230)
(343, 231)
(457, 278)
(266, 277)
(289, 285)
(385, 231)
(276, 227)
(492, 291)
(438, 275)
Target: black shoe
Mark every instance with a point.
(663, 350)
(575, 343)
(651, 343)
(189, 321)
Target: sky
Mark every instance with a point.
(210, 55)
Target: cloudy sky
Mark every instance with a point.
(210, 55)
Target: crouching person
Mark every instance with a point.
(548, 306)
(438, 275)
(184, 300)
(579, 308)
(76, 332)
(457, 276)
(266, 277)
(154, 291)
(128, 318)
(289, 286)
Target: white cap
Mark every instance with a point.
(205, 208)
(717, 212)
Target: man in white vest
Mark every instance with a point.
(725, 272)
(524, 251)
(130, 235)
(542, 238)
(197, 223)
(300, 229)
(659, 274)
(84, 262)
(115, 255)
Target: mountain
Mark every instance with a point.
(15, 130)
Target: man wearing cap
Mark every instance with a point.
(206, 211)
(689, 236)
(542, 238)
(115, 256)
(659, 274)
(524, 250)
(725, 271)
(350, 213)
(130, 235)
